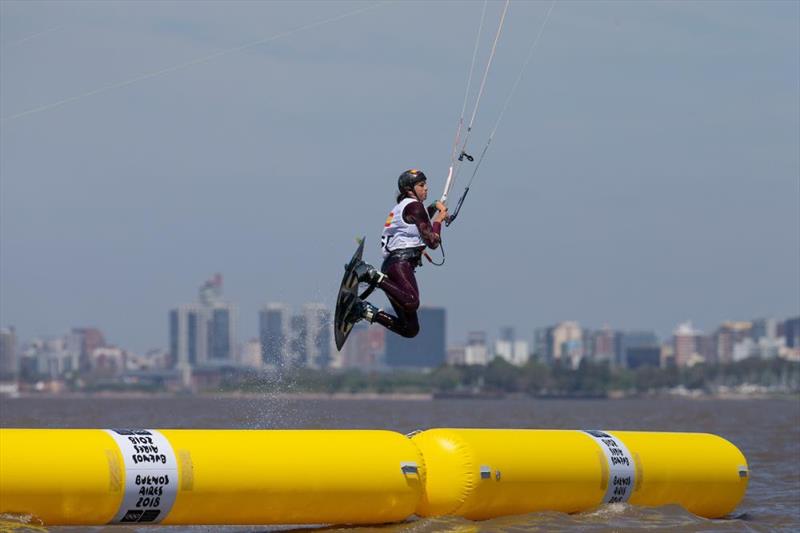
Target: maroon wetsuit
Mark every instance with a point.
(400, 284)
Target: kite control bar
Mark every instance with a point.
(449, 220)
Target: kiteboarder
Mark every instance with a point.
(408, 230)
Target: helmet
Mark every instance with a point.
(409, 178)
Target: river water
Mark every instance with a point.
(766, 431)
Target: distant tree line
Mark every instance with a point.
(590, 379)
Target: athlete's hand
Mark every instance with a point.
(442, 212)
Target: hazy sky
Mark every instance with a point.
(647, 171)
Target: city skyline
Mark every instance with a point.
(205, 330)
(210, 294)
(530, 335)
(84, 360)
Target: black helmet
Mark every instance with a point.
(409, 178)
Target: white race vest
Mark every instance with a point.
(399, 234)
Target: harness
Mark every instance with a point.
(412, 255)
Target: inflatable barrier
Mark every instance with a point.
(92, 476)
(70, 476)
(484, 473)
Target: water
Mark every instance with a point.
(767, 432)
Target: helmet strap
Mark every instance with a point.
(414, 191)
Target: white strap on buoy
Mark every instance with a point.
(621, 466)
(151, 476)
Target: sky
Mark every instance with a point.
(647, 171)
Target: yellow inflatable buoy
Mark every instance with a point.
(484, 473)
(94, 476)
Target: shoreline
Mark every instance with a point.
(417, 397)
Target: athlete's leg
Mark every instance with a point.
(400, 285)
(404, 324)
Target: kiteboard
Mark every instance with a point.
(348, 297)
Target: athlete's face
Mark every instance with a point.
(421, 190)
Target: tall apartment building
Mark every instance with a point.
(604, 345)
(273, 330)
(567, 343)
(365, 348)
(764, 328)
(49, 358)
(727, 335)
(684, 342)
(509, 348)
(297, 345)
(476, 352)
(302, 339)
(318, 335)
(85, 341)
(252, 355)
(543, 344)
(644, 356)
(706, 348)
(791, 331)
(456, 355)
(639, 342)
(563, 343)
(203, 333)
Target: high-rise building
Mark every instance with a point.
(187, 336)
(298, 342)
(203, 333)
(273, 330)
(365, 348)
(107, 361)
(85, 341)
(509, 348)
(507, 333)
(726, 336)
(636, 340)
(211, 291)
(745, 349)
(706, 348)
(543, 344)
(604, 345)
(49, 358)
(684, 341)
(567, 343)
(764, 328)
(639, 356)
(791, 331)
(476, 352)
(319, 335)
(456, 355)
(515, 352)
(427, 349)
(9, 367)
(221, 339)
(252, 354)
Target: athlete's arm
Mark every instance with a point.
(441, 212)
(415, 213)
